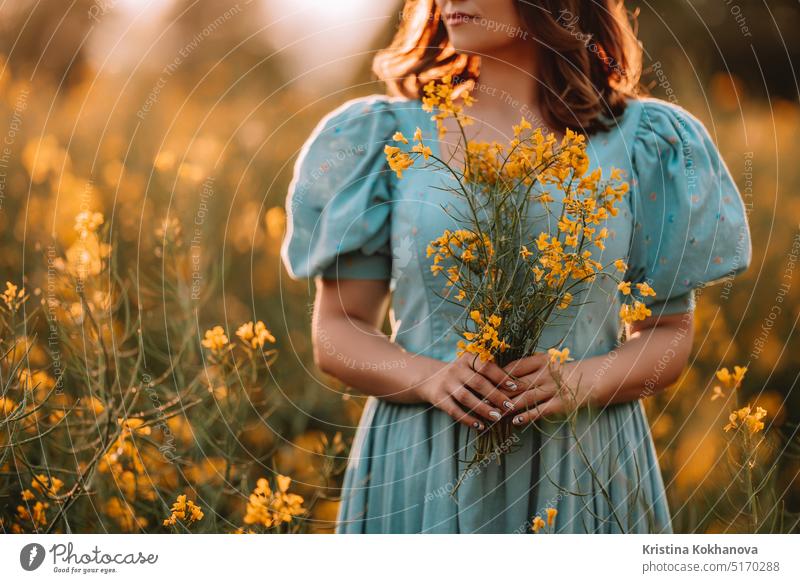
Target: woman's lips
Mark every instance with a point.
(457, 18)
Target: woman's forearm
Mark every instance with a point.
(649, 361)
(359, 354)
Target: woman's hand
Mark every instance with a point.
(467, 390)
(652, 358)
(552, 391)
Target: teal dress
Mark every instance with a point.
(682, 226)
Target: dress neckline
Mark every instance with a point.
(620, 125)
(623, 126)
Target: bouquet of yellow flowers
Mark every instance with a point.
(511, 280)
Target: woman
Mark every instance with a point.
(362, 233)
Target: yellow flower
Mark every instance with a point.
(625, 288)
(270, 508)
(38, 516)
(184, 510)
(559, 356)
(724, 375)
(13, 296)
(245, 332)
(620, 265)
(262, 335)
(746, 418)
(399, 137)
(542, 242)
(215, 339)
(551, 516)
(565, 301)
(753, 422)
(397, 159)
(486, 342)
(633, 313)
(441, 96)
(525, 253)
(524, 124)
(255, 335)
(645, 290)
(732, 380)
(47, 485)
(6, 406)
(538, 524)
(738, 374)
(422, 149)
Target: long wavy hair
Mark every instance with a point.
(587, 54)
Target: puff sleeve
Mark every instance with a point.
(339, 202)
(689, 223)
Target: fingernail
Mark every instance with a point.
(511, 385)
(477, 425)
(495, 415)
(508, 405)
(517, 420)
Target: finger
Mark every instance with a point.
(537, 379)
(473, 404)
(494, 373)
(452, 408)
(530, 398)
(481, 385)
(552, 406)
(527, 365)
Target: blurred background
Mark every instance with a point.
(190, 113)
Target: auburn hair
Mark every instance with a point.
(588, 58)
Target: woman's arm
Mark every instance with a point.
(650, 360)
(349, 345)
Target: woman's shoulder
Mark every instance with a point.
(338, 203)
(654, 117)
(369, 107)
(690, 223)
(365, 123)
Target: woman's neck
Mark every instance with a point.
(504, 93)
(507, 82)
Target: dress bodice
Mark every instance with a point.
(351, 217)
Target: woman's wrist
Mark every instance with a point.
(424, 370)
(590, 381)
